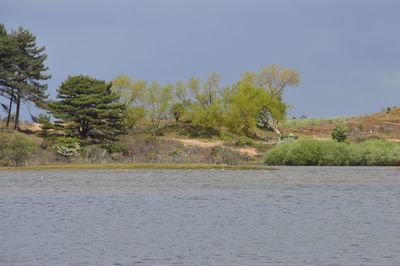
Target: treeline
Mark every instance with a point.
(99, 111)
(254, 101)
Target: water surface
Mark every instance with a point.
(292, 216)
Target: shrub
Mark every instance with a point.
(339, 133)
(19, 149)
(3, 144)
(243, 141)
(95, 153)
(176, 153)
(377, 153)
(314, 152)
(221, 155)
(288, 137)
(67, 147)
(114, 147)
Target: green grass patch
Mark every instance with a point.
(136, 166)
(331, 153)
(311, 122)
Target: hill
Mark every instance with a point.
(385, 125)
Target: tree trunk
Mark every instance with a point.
(276, 130)
(18, 103)
(9, 109)
(275, 126)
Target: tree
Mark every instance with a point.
(207, 92)
(158, 101)
(211, 118)
(129, 92)
(246, 102)
(89, 109)
(273, 79)
(133, 115)
(208, 110)
(181, 91)
(7, 69)
(24, 64)
(271, 114)
(177, 110)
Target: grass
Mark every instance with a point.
(136, 166)
(311, 122)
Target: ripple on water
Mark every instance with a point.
(294, 216)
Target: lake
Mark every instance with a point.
(291, 216)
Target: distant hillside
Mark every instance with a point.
(385, 124)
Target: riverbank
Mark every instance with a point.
(136, 166)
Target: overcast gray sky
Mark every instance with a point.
(347, 51)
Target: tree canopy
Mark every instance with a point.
(89, 109)
(22, 70)
(253, 102)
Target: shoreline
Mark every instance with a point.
(135, 166)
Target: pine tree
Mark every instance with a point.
(7, 68)
(22, 70)
(30, 71)
(89, 109)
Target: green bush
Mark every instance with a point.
(339, 133)
(67, 147)
(243, 141)
(3, 145)
(314, 152)
(113, 147)
(377, 153)
(16, 149)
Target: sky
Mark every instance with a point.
(347, 51)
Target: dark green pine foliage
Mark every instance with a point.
(89, 109)
(30, 71)
(7, 67)
(22, 71)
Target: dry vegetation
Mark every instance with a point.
(385, 125)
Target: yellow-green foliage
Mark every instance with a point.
(211, 116)
(274, 79)
(255, 100)
(133, 115)
(245, 105)
(158, 101)
(314, 152)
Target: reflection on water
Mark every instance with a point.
(293, 216)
